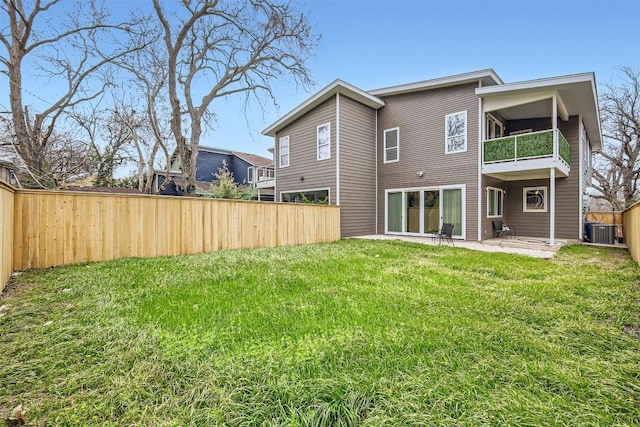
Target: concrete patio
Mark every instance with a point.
(530, 246)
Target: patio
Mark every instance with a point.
(530, 246)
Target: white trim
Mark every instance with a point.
(489, 76)
(307, 190)
(464, 134)
(552, 206)
(280, 152)
(499, 191)
(338, 149)
(250, 176)
(376, 150)
(397, 129)
(538, 188)
(326, 93)
(440, 188)
(481, 135)
(491, 118)
(328, 124)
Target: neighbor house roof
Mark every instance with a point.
(254, 159)
(337, 86)
(577, 93)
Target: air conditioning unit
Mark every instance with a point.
(603, 233)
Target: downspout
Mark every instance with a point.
(376, 150)
(338, 149)
(480, 149)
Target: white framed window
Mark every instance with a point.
(283, 151)
(392, 145)
(534, 199)
(495, 202)
(314, 197)
(324, 141)
(250, 174)
(455, 132)
(494, 129)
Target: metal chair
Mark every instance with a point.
(446, 233)
(503, 229)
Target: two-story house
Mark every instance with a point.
(247, 169)
(466, 149)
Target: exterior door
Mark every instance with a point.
(424, 211)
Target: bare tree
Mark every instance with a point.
(68, 55)
(617, 168)
(232, 48)
(108, 133)
(152, 143)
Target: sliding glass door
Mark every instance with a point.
(423, 211)
(452, 209)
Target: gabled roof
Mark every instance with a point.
(488, 77)
(337, 86)
(577, 92)
(253, 159)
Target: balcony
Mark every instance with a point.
(264, 176)
(526, 156)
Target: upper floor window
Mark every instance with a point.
(392, 145)
(456, 132)
(250, 174)
(324, 141)
(495, 199)
(284, 151)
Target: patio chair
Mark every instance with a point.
(445, 233)
(503, 229)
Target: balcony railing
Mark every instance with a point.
(533, 145)
(263, 176)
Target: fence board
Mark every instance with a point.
(7, 206)
(56, 228)
(631, 228)
(604, 217)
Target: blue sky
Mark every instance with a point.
(376, 43)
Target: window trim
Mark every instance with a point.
(524, 198)
(500, 193)
(328, 125)
(464, 134)
(490, 124)
(397, 147)
(250, 173)
(280, 154)
(327, 189)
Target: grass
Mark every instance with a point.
(372, 333)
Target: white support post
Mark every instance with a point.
(552, 206)
(554, 126)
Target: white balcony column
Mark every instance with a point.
(552, 206)
(554, 126)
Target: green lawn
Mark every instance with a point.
(374, 333)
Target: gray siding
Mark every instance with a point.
(487, 223)
(357, 168)
(421, 119)
(305, 172)
(567, 201)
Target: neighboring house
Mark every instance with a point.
(246, 169)
(466, 149)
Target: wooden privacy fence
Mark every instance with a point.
(6, 230)
(53, 228)
(605, 217)
(631, 224)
